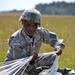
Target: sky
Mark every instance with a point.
(6, 5)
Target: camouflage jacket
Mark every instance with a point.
(21, 45)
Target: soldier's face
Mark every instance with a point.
(30, 27)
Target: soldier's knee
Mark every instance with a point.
(53, 57)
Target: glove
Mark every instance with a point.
(35, 56)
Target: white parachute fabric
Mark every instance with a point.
(15, 67)
(18, 67)
(52, 70)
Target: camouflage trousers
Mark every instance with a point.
(42, 60)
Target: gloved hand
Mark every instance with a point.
(35, 56)
(58, 50)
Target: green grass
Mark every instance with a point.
(64, 26)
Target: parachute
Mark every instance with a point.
(19, 67)
(15, 67)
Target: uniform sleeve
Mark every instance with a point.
(16, 49)
(52, 39)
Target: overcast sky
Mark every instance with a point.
(6, 5)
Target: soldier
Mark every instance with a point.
(27, 41)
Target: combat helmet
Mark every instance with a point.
(31, 15)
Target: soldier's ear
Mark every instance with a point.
(23, 22)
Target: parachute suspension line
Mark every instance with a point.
(15, 67)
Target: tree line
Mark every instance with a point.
(56, 8)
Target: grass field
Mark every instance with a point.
(64, 26)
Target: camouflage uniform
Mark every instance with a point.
(21, 45)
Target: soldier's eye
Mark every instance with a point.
(28, 25)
